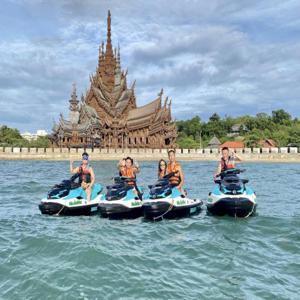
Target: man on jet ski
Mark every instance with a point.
(227, 161)
(86, 175)
(177, 180)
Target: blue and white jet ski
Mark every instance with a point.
(122, 200)
(231, 196)
(69, 198)
(165, 201)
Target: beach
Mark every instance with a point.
(248, 155)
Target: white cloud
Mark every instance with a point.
(209, 55)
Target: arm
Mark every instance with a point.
(73, 170)
(121, 165)
(236, 157)
(218, 171)
(181, 177)
(136, 168)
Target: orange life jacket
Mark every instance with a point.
(227, 165)
(128, 172)
(175, 179)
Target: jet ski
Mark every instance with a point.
(165, 201)
(231, 196)
(69, 198)
(122, 199)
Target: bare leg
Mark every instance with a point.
(88, 193)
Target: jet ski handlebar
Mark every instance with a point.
(123, 179)
(231, 172)
(168, 175)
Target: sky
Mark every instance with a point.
(232, 57)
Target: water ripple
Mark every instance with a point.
(201, 257)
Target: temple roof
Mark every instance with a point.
(143, 111)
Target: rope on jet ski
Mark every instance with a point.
(169, 209)
(57, 214)
(251, 212)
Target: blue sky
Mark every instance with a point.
(230, 57)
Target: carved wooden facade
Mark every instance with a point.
(108, 116)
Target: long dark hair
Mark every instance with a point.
(159, 168)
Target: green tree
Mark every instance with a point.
(11, 137)
(40, 142)
(214, 118)
(281, 117)
(187, 143)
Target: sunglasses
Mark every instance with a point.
(162, 164)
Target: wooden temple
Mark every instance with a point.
(107, 116)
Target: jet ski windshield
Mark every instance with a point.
(161, 188)
(62, 189)
(230, 181)
(119, 188)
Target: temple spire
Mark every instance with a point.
(73, 99)
(109, 51)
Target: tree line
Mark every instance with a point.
(11, 137)
(278, 126)
(194, 133)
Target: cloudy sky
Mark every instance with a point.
(225, 56)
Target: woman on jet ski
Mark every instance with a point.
(162, 168)
(227, 161)
(128, 168)
(174, 167)
(86, 175)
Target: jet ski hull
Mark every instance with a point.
(119, 211)
(53, 208)
(158, 209)
(239, 207)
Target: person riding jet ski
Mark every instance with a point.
(227, 161)
(86, 175)
(162, 169)
(166, 198)
(174, 168)
(129, 169)
(69, 197)
(231, 196)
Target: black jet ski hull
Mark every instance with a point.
(160, 209)
(239, 207)
(119, 211)
(52, 208)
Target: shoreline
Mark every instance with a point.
(246, 158)
(271, 155)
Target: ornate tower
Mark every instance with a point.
(107, 60)
(109, 112)
(74, 108)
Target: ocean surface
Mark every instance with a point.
(201, 257)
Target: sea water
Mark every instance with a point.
(201, 257)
